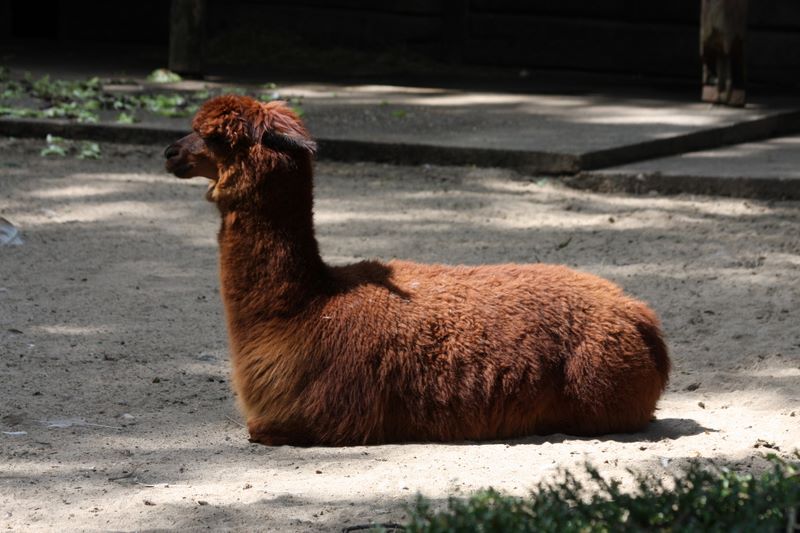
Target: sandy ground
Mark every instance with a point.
(116, 412)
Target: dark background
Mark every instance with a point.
(638, 37)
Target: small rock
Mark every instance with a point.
(692, 387)
(202, 502)
(148, 502)
(156, 380)
(319, 471)
(702, 405)
(127, 416)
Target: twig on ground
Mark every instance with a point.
(235, 421)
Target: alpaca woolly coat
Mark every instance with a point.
(374, 352)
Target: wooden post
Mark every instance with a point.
(187, 34)
(723, 27)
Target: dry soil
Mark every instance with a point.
(115, 406)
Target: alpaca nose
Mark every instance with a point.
(171, 151)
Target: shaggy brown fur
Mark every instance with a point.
(374, 352)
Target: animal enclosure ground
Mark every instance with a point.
(115, 407)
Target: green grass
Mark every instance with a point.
(699, 499)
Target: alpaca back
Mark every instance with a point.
(429, 352)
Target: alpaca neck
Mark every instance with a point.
(270, 263)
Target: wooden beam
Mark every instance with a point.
(723, 28)
(187, 35)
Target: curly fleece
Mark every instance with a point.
(390, 352)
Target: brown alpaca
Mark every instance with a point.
(388, 352)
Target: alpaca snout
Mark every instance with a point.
(176, 164)
(188, 157)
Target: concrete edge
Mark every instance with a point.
(416, 154)
(752, 130)
(762, 188)
(333, 149)
(574, 171)
(118, 133)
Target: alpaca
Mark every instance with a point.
(390, 352)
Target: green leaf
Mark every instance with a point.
(20, 112)
(269, 97)
(55, 146)
(87, 116)
(89, 150)
(168, 105)
(125, 118)
(163, 75)
(11, 89)
(53, 150)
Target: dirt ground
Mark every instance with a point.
(115, 406)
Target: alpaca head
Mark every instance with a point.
(243, 146)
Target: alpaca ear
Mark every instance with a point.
(282, 142)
